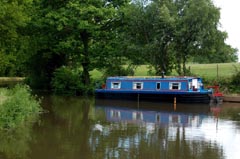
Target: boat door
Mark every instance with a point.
(195, 84)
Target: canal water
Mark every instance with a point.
(85, 128)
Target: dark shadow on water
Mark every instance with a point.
(157, 106)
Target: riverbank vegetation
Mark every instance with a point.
(60, 46)
(17, 106)
(211, 71)
(227, 75)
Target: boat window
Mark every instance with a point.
(158, 86)
(195, 83)
(174, 119)
(137, 116)
(158, 118)
(137, 85)
(175, 85)
(115, 114)
(190, 85)
(115, 85)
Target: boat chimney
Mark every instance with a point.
(163, 74)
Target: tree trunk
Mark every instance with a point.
(184, 65)
(86, 61)
(178, 65)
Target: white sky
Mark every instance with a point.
(230, 10)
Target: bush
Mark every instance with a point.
(18, 106)
(235, 81)
(69, 81)
(119, 70)
(227, 84)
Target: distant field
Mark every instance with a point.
(214, 70)
(203, 70)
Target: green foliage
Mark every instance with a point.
(18, 107)
(119, 70)
(38, 37)
(14, 17)
(41, 68)
(76, 30)
(6, 64)
(226, 75)
(196, 31)
(167, 34)
(224, 54)
(235, 81)
(228, 83)
(148, 35)
(69, 81)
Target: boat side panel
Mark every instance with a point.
(148, 84)
(184, 98)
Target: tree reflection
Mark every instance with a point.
(129, 139)
(64, 130)
(74, 127)
(15, 144)
(230, 112)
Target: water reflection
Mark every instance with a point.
(80, 127)
(152, 130)
(64, 130)
(15, 143)
(157, 114)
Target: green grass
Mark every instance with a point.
(222, 70)
(7, 81)
(3, 95)
(214, 70)
(142, 70)
(95, 74)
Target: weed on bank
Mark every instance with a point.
(17, 106)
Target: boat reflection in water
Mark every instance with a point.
(151, 113)
(130, 129)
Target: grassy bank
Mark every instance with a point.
(17, 106)
(223, 70)
(221, 73)
(6, 81)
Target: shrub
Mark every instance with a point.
(119, 70)
(235, 81)
(69, 81)
(19, 106)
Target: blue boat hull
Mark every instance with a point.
(182, 97)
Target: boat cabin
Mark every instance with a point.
(158, 87)
(154, 83)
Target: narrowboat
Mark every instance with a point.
(180, 89)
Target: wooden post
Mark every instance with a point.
(175, 103)
(138, 101)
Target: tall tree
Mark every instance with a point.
(74, 30)
(217, 51)
(170, 32)
(14, 16)
(197, 30)
(150, 29)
